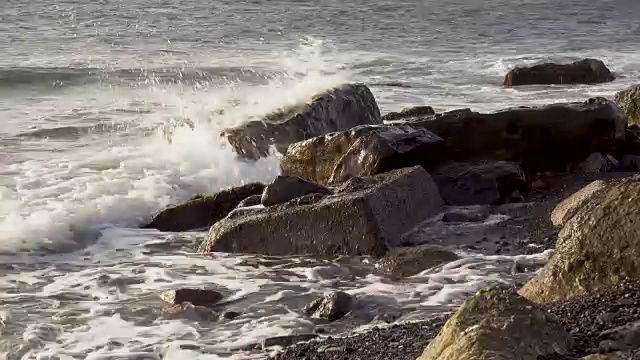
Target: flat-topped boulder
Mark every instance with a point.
(337, 109)
(629, 101)
(498, 324)
(586, 71)
(597, 248)
(544, 138)
(361, 151)
(364, 216)
(204, 210)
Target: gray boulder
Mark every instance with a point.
(285, 188)
(331, 307)
(361, 151)
(570, 206)
(629, 101)
(402, 262)
(596, 163)
(483, 183)
(337, 109)
(203, 211)
(409, 113)
(362, 217)
(498, 324)
(586, 71)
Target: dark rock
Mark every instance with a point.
(363, 217)
(230, 314)
(587, 71)
(570, 206)
(483, 183)
(187, 310)
(597, 162)
(497, 323)
(361, 151)
(331, 307)
(412, 112)
(546, 138)
(252, 200)
(472, 213)
(337, 109)
(403, 262)
(629, 101)
(287, 340)
(618, 355)
(198, 297)
(621, 338)
(597, 248)
(203, 211)
(630, 163)
(285, 188)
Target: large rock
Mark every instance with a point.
(570, 206)
(598, 247)
(407, 261)
(361, 151)
(476, 184)
(203, 211)
(545, 138)
(363, 217)
(331, 307)
(587, 71)
(629, 101)
(498, 324)
(337, 109)
(285, 188)
(408, 113)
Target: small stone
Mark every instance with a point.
(230, 315)
(331, 307)
(472, 213)
(199, 297)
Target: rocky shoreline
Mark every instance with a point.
(413, 190)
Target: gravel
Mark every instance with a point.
(404, 341)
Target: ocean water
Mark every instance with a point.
(91, 91)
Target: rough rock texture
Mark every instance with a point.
(362, 218)
(252, 200)
(629, 102)
(412, 112)
(597, 248)
(198, 297)
(570, 206)
(497, 323)
(630, 163)
(618, 355)
(402, 262)
(586, 71)
(597, 162)
(405, 341)
(546, 138)
(337, 109)
(361, 151)
(285, 188)
(590, 318)
(203, 211)
(477, 184)
(331, 307)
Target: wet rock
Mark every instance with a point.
(198, 297)
(287, 340)
(230, 314)
(285, 188)
(546, 138)
(621, 338)
(363, 217)
(403, 262)
(187, 310)
(597, 248)
(361, 151)
(630, 163)
(336, 109)
(252, 200)
(586, 71)
(331, 307)
(483, 183)
(629, 101)
(497, 323)
(596, 163)
(618, 355)
(570, 206)
(408, 113)
(471, 213)
(203, 211)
